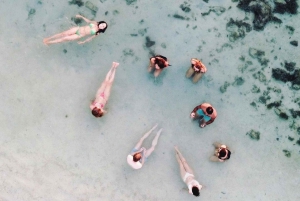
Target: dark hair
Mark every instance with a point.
(137, 157)
(222, 153)
(209, 110)
(228, 155)
(101, 30)
(164, 58)
(196, 191)
(97, 112)
(160, 63)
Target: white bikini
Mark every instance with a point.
(192, 183)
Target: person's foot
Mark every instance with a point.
(115, 64)
(45, 42)
(176, 148)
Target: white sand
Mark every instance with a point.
(52, 148)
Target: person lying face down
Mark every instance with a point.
(187, 174)
(205, 113)
(158, 63)
(138, 154)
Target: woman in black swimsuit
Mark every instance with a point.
(158, 63)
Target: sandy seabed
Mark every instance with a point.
(52, 148)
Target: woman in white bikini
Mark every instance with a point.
(94, 28)
(102, 95)
(221, 154)
(138, 154)
(187, 174)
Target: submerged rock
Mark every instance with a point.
(295, 113)
(223, 88)
(237, 29)
(129, 2)
(274, 104)
(281, 114)
(294, 43)
(290, 66)
(260, 76)
(285, 6)
(79, 3)
(287, 153)
(149, 43)
(255, 89)
(259, 55)
(255, 135)
(284, 76)
(185, 7)
(262, 11)
(92, 7)
(238, 81)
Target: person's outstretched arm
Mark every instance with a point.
(87, 40)
(85, 19)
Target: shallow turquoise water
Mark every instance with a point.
(52, 148)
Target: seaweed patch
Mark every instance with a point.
(255, 135)
(79, 3)
(237, 29)
(262, 11)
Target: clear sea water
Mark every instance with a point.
(52, 148)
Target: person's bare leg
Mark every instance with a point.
(189, 72)
(63, 34)
(157, 72)
(150, 67)
(184, 163)
(182, 170)
(106, 85)
(139, 144)
(197, 77)
(214, 158)
(154, 143)
(66, 38)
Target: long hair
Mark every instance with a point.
(101, 30)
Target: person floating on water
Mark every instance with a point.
(102, 95)
(139, 154)
(205, 113)
(221, 154)
(158, 63)
(196, 70)
(187, 174)
(94, 28)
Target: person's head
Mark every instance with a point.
(160, 63)
(137, 157)
(196, 191)
(97, 112)
(209, 110)
(102, 25)
(222, 153)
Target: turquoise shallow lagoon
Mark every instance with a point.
(52, 148)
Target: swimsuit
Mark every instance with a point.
(187, 175)
(78, 32)
(201, 113)
(135, 150)
(93, 31)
